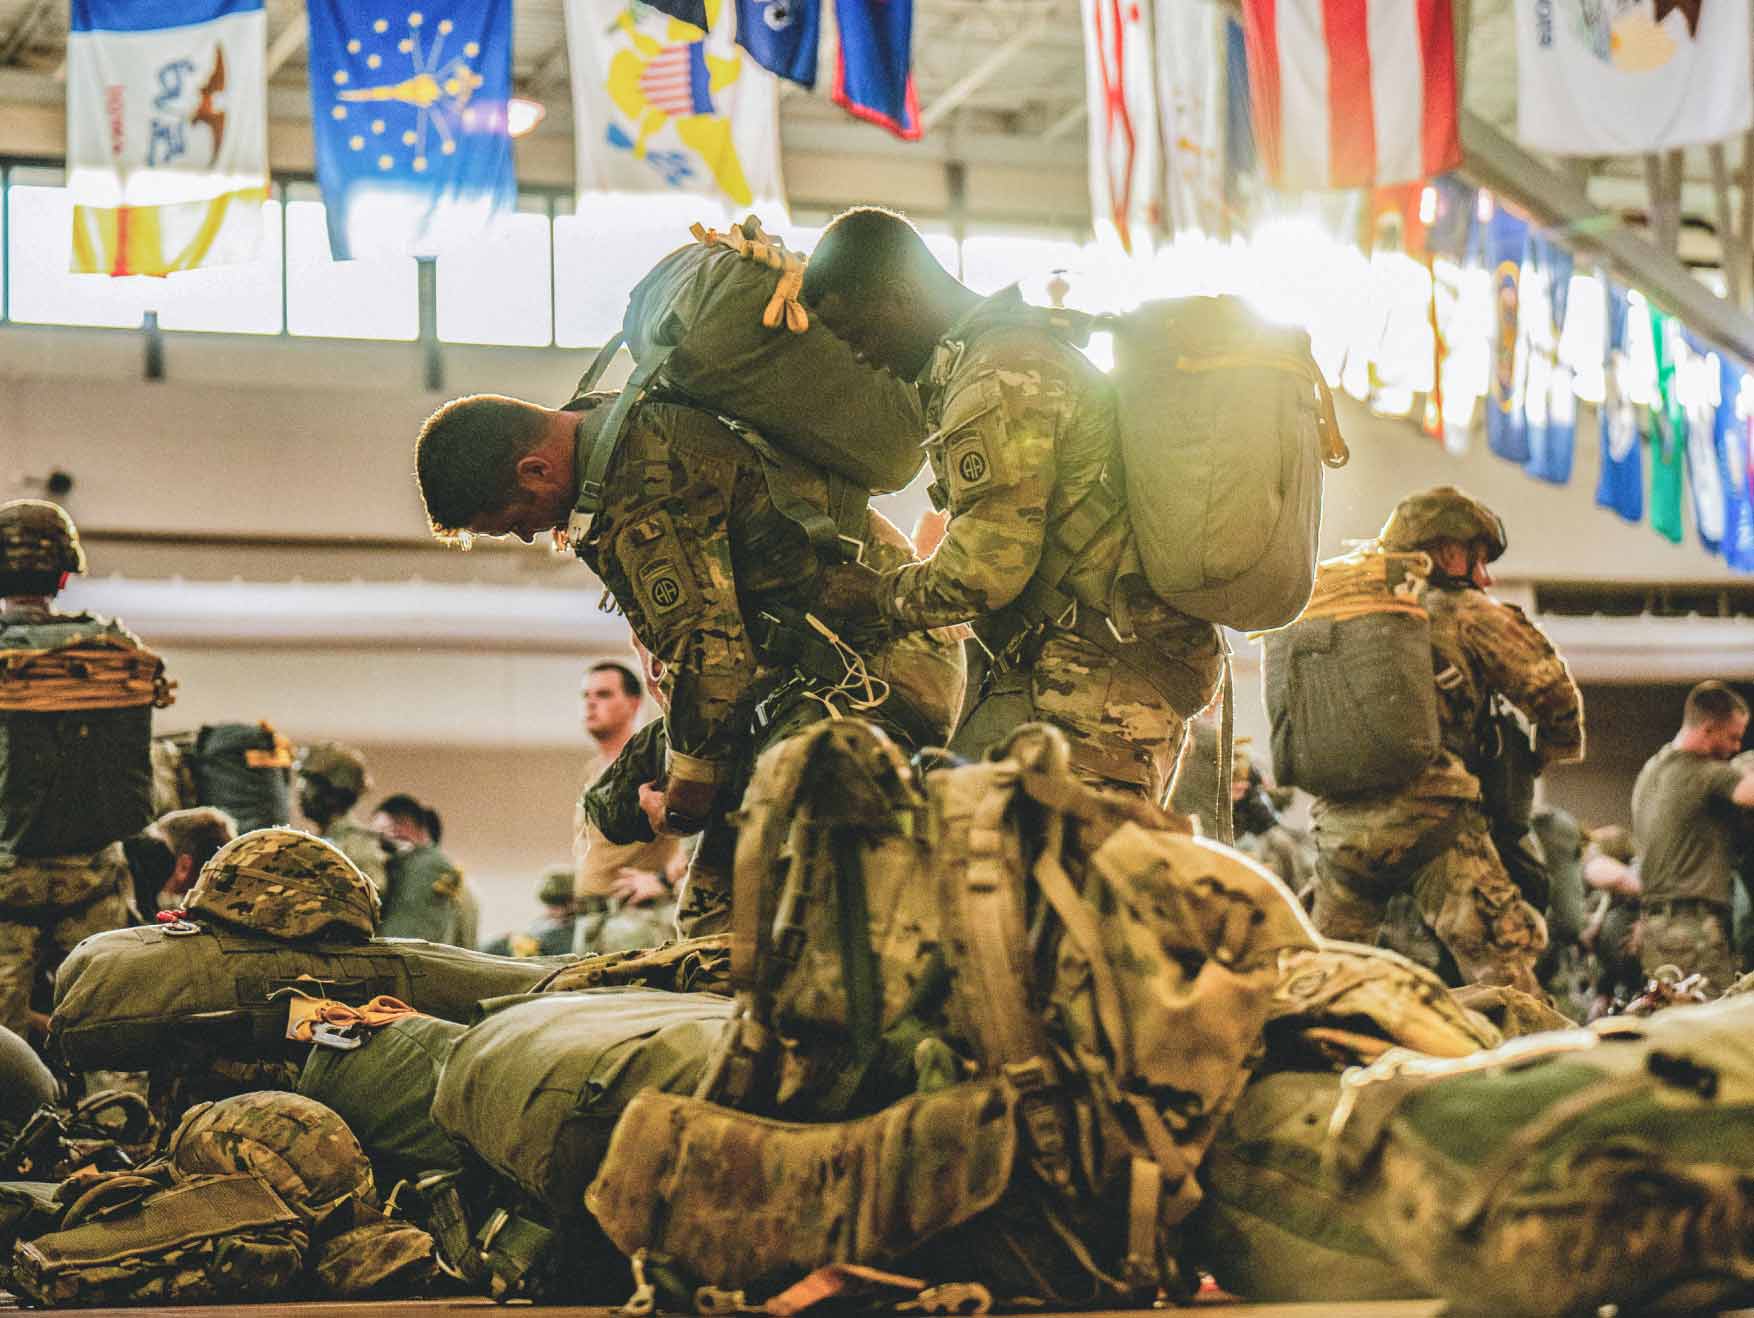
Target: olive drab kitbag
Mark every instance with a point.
(76, 699)
(718, 323)
(1000, 923)
(535, 1089)
(138, 998)
(1567, 1171)
(1351, 694)
(245, 769)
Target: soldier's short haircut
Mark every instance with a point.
(863, 251)
(405, 807)
(630, 683)
(466, 457)
(197, 833)
(1711, 703)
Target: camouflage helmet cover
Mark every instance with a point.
(288, 884)
(38, 536)
(303, 1149)
(1443, 513)
(340, 766)
(556, 887)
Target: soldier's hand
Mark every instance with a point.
(638, 887)
(653, 804)
(849, 590)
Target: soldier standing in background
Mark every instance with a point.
(77, 776)
(552, 934)
(1022, 439)
(1688, 810)
(635, 873)
(427, 898)
(1432, 838)
(331, 779)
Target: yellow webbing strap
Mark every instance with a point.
(1365, 582)
(104, 672)
(1334, 450)
(750, 241)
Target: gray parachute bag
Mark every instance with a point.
(1350, 695)
(1225, 426)
(134, 998)
(717, 324)
(535, 1090)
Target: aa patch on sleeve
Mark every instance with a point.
(663, 584)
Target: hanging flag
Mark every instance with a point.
(1699, 381)
(1732, 445)
(1239, 130)
(1190, 49)
(167, 134)
(692, 12)
(1549, 404)
(781, 36)
(1350, 93)
(1620, 485)
(1621, 78)
(408, 109)
(1118, 83)
(873, 69)
(1668, 430)
(1507, 245)
(662, 106)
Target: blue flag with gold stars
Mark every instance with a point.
(408, 109)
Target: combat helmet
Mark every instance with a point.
(340, 766)
(556, 887)
(303, 1149)
(38, 536)
(288, 884)
(1443, 513)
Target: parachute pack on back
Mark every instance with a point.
(717, 324)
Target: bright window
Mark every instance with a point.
(375, 298)
(606, 248)
(497, 290)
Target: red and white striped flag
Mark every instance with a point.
(1352, 93)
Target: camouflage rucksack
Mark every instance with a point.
(1105, 976)
(1566, 1171)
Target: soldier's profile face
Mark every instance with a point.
(526, 516)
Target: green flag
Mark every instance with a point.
(1668, 434)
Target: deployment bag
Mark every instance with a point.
(76, 701)
(245, 769)
(210, 1240)
(1350, 693)
(133, 998)
(536, 1088)
(718, 323)
(1225, 426)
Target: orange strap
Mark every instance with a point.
(307, 1013)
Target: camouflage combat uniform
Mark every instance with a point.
(1023, 448)
(701, 541)
(363, 847)
(1374, 846)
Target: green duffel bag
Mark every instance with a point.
(536, 1089)
(212, 1240)
(1350, 693)
(695, 326)
(1564, 1172)
(1273, 1227)
(134, 998)
(383, 1090)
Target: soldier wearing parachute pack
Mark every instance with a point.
(76, 700)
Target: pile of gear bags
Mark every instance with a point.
(980, 1036)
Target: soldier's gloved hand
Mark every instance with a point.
(849, 590)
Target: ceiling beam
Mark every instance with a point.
(988, 69)
(286, 45)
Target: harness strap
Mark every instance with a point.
(596, 449)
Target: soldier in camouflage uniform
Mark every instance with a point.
(1431, 837)
(331, 779)
(61, 876)
(1022, 442)
(708, 539)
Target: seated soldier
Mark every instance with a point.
(552, 933)
(166, 856)
(715, 546)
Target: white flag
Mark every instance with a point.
(1623, 77)
(167, 134)
(1125, 165)
(660, 106)
(1191, 92)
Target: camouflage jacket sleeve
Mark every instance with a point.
(612, 802)
(993, 455)
(1520, 663)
